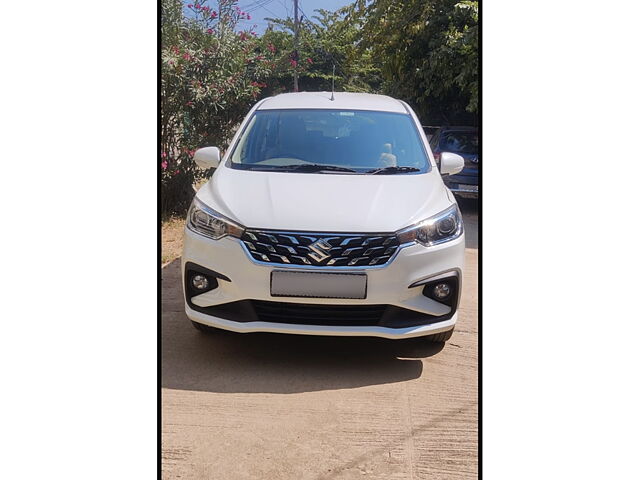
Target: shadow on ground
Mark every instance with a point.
(228, 362)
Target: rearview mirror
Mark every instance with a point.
(451, 163)
(207, 157)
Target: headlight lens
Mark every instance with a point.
(208, 222)
(443, 227)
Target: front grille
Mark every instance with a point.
(309, 314)
(320, 249)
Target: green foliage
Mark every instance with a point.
(428, 53)
(211, 75)
(328, 39)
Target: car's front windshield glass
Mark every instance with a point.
(460, 142)
(330, 141)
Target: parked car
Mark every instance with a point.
(326, 216)
(464, 142)
(429, 131)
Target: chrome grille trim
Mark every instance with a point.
(320, 250)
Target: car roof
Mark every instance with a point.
(342, 100)
(461, 129)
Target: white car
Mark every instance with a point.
(326, 216)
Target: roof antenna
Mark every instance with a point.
(333, 79)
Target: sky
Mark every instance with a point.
(261, 9)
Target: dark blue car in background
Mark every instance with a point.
(464, 142)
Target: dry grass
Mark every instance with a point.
(172, 234)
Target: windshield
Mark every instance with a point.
(459, 142)
(330, 141)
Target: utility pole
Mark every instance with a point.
(295, 45)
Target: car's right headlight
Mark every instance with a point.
(206, 221)
(442, 227)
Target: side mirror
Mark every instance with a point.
(451, 163)
(207, 157)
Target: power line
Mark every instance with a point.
(259, 5)
(253, 4)
(303, 13)
(284, 4)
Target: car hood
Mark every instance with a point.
(324, 202)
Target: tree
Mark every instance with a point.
(428, 53)
(325, 40)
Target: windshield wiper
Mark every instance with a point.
(313, 167)
(392, 170)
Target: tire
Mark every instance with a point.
(440, 337)
(203, 328)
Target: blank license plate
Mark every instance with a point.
(318, 285)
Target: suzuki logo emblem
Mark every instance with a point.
(320, 250)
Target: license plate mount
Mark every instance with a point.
(285, 283)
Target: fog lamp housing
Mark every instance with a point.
(199, 280)
(443, 290)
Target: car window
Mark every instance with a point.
(434, 140)
(355, 139)
(459, 142)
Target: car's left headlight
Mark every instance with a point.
(443, 227)
(206, 221)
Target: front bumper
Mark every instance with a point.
(463, 185)
(386, 285)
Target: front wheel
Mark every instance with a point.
(203, 328)
(440, 337)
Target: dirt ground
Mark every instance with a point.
(268, 406)
(172, 230)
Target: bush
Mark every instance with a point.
(211, 74)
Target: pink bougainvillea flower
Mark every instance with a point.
(214, 14)
(248, 17)
(210, 30)
(271, 48)
(186, 56)
(309, 60)
(293, 63)
(176, 173)
(190, 6)
(189, 104)
(163, 154)
(164, 165)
